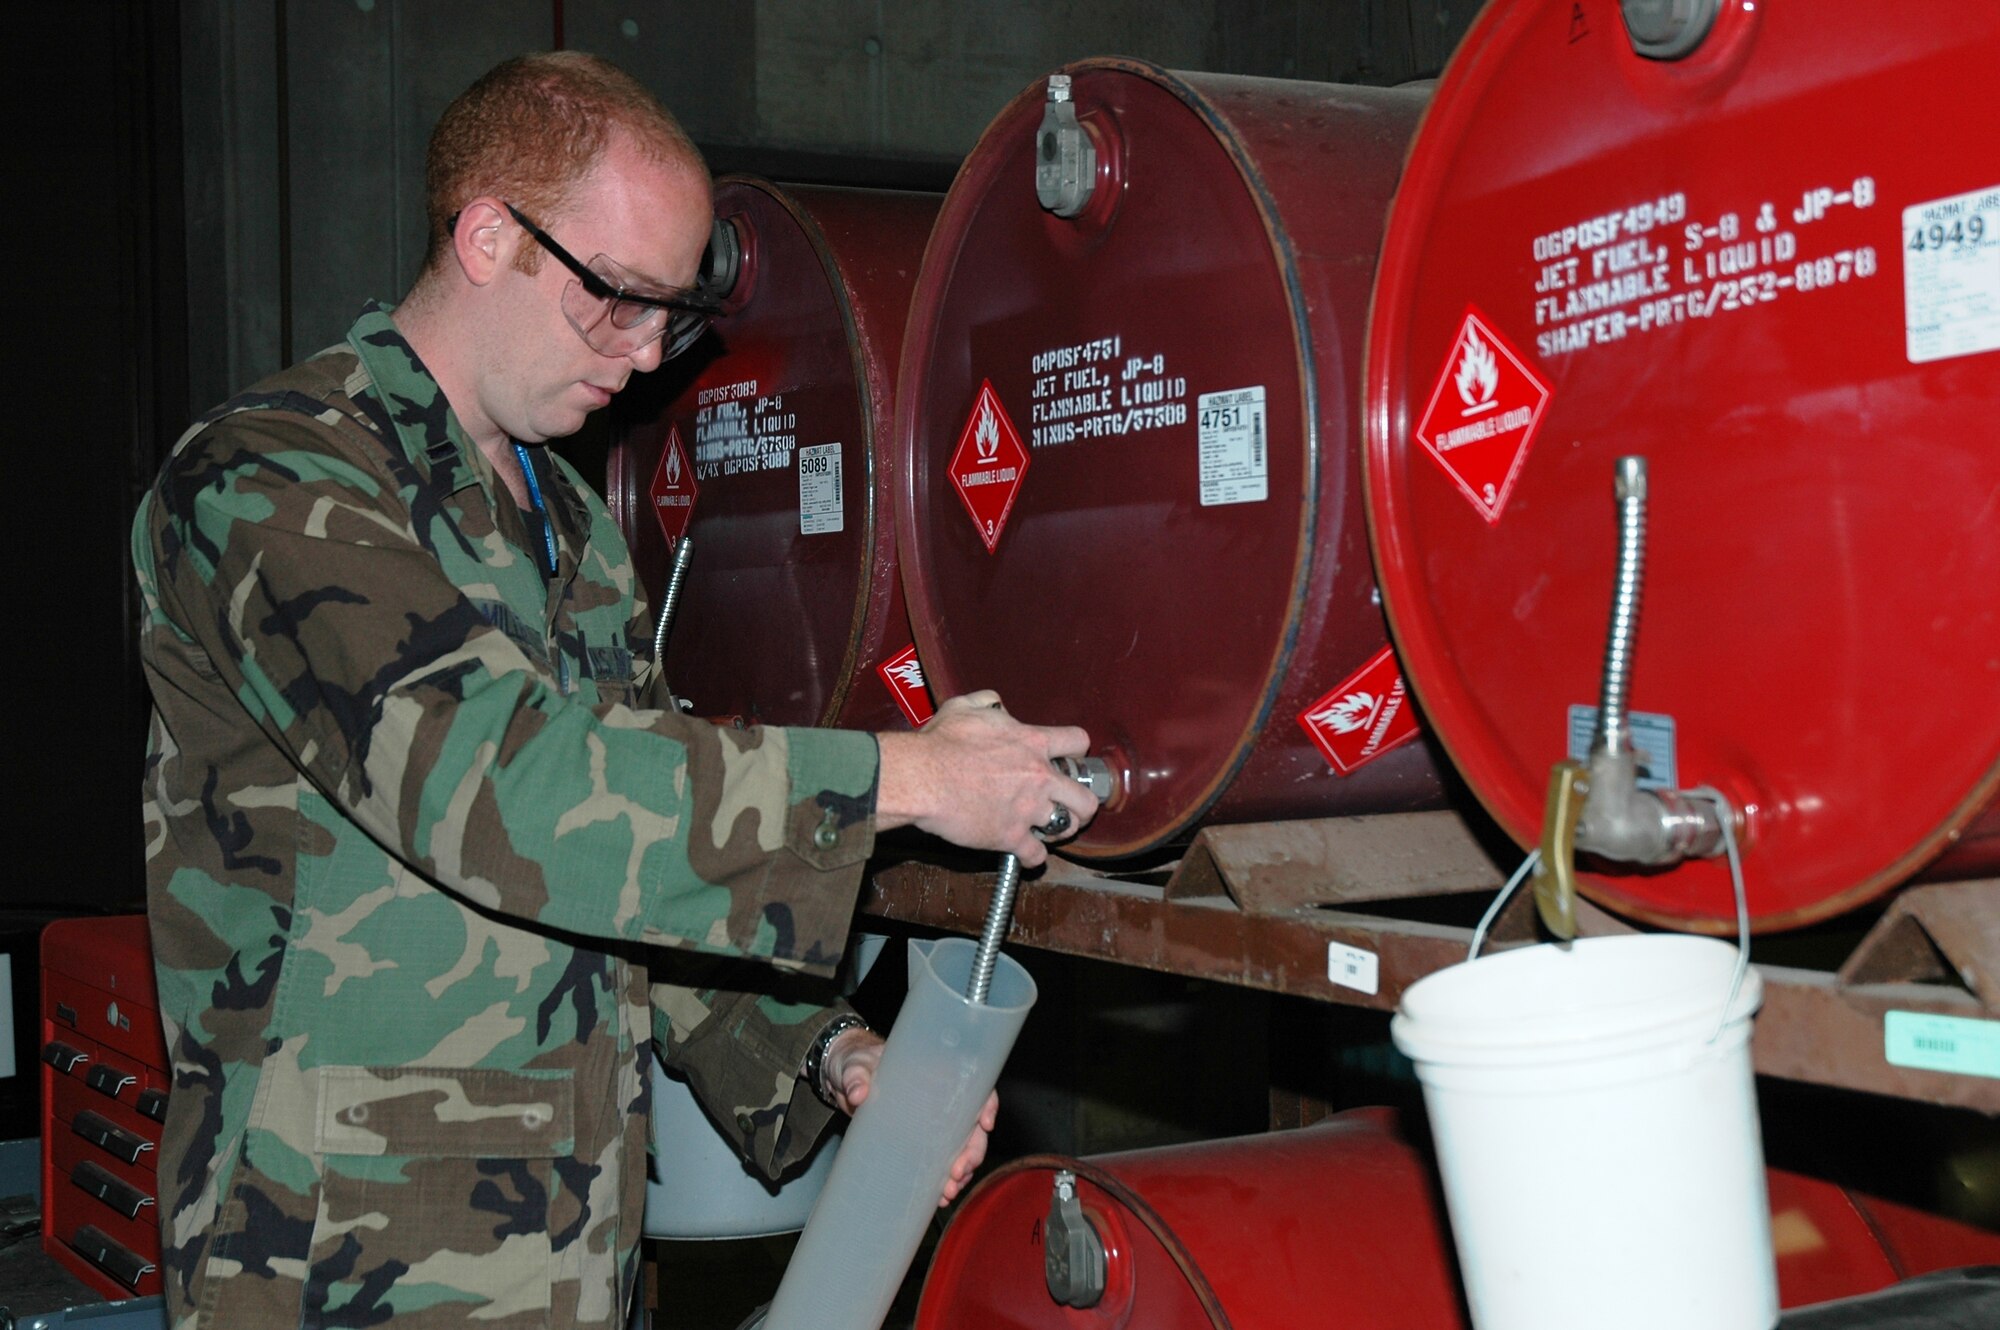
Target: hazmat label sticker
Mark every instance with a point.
(1234, 465)
(1951, 276)
(674, 489)
(904, 676)
(988, 465)
(820, 512)
(1959, 1044)
(1351, 967)
(1652, 738)
(1364, 716)
(1482, 415)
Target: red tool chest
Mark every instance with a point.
(104, 1096)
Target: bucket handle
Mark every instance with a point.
(1724, 815)
(1500, 902)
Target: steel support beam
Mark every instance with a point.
(1260, 906)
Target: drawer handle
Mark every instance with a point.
(121, 1263)
(108, 1080)
(101, 1132)
(120, 1195)
(63, 1057)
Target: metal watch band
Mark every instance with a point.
(816, 1055)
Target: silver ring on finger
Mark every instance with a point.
(1059, 822)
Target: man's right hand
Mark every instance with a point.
(979, 778)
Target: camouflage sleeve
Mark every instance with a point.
(742, 1053)
(308, 567)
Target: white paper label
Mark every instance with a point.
(1951, 276)
(1959, 1044)
(1351, 967)
(820, 513)
(1234, 457)
(1652, 738)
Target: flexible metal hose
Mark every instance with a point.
(683, 552)
(1613, 735)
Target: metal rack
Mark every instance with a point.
(1272, 905)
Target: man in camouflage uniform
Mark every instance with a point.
(414, 815)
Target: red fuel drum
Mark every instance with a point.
(1336, 1224)
(1772, 268)
(791, 602)
(1176, 557)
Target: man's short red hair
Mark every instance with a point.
(530, 130)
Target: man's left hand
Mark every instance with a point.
(849, 1073)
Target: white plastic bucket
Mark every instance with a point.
(1599, 1148)
(702, 1188)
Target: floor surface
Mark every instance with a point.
(30, 1280)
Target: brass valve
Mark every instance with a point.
(1596, 805)
(1555, 871)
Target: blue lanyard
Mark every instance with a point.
(548, 544)
(541, 509)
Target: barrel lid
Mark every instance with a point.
(1148, 1275)
(1765, 268)
(758, 443)
(1238, 1231)
(1070, 531)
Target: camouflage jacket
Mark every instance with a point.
(408, 829)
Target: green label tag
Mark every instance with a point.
(1941, 1043)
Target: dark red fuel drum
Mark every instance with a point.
(1771, 268)
(1334, 1224)
(1131, 497)
(1265, 1232)
(792, 606)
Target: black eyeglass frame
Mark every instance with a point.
(594, 283)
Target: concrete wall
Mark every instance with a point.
(306, 124)
(306, 119)
(919, 78)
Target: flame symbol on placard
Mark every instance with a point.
(909, 673)
(1347, 715)
(1478, 372)
(987, 435)
(673, 464)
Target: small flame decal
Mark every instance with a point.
(1478, 372)
(987, 435)
(1349, 714)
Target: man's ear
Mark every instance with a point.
(484, 240)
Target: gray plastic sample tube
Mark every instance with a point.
(943, 1058)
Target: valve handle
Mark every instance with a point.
(1094, 773)
(1555, 872)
